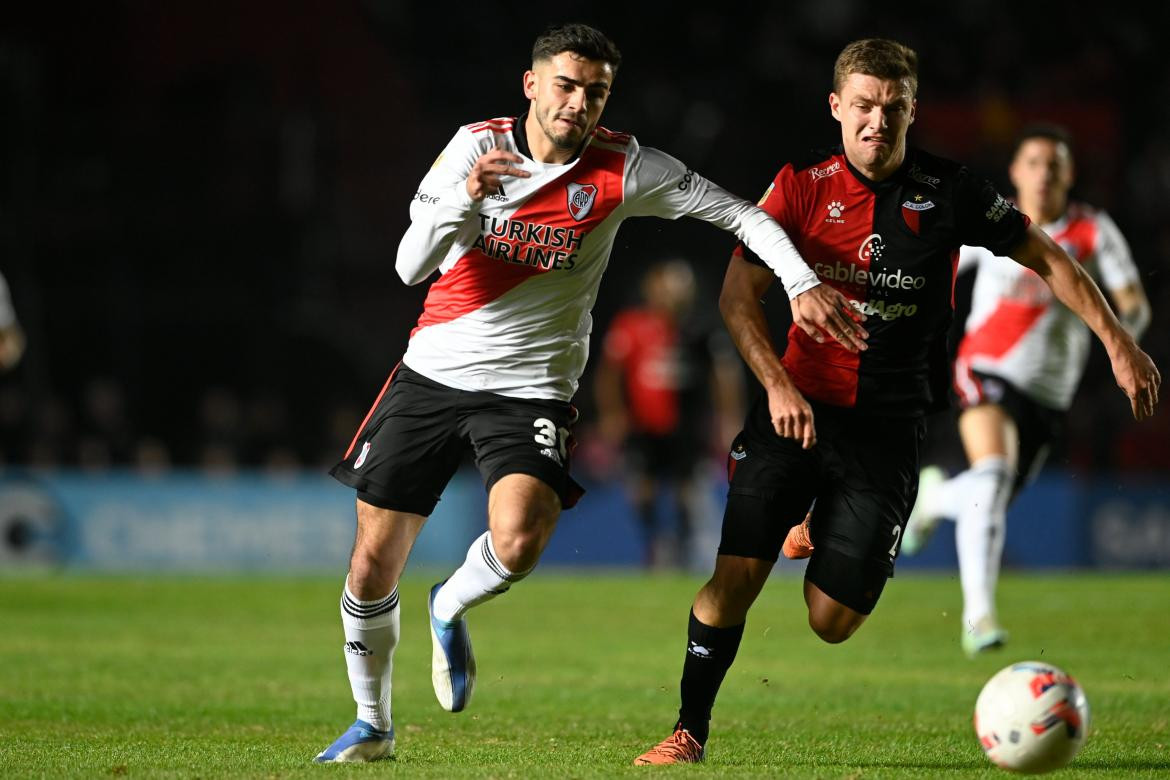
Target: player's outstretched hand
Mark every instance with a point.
(1138, 377)
(792, 417)
(484, 178)
(823, 311)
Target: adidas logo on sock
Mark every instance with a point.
(357, 648)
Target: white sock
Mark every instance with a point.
(371, 634)
(979, 533)
(481, 578)
(946, 498)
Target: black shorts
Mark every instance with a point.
(418, 432)
(1038, 426)
(863, 477)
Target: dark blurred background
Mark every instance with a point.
(201, 202)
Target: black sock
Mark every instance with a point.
(710, 652)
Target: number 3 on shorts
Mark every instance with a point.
(550, 435)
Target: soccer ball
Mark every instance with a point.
(1031, 717)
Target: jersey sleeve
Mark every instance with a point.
(660, 185)
(777, 202)
(985, 218)
(440, 210)
(1114, 261)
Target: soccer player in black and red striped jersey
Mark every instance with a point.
(883, 224)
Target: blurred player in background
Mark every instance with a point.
(1019, 363)
(519, 215)
(11, 334)
(668, 386)
(883, 224)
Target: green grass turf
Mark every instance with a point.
(195, 677)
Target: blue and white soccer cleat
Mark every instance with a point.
(361, 742)
(452, 660)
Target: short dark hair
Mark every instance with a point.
(878, 57)
(580, 39)
(1049, 131)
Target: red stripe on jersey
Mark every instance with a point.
(495, 125)
(611, 136)
(826, 372)
(1080, 235)
(497, 129)
(1002, 330)
(477, 279)
(370, 413)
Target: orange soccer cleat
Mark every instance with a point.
(679, 748)
(798, 544)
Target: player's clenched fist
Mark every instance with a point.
(484, 178)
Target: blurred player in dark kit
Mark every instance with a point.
(668, 387)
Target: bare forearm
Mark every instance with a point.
(1076, 290)
(749, 329)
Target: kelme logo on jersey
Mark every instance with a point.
(581, 198)
(361, 458)
(836, 211)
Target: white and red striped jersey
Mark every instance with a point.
(1019, 331)
(510, 313)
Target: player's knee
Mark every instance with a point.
(519, 549)
(732, 592)
(368, 574)
(833, 629)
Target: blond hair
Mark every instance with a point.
(878, 57)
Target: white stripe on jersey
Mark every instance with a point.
(1017, 329)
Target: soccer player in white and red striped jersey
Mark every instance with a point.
(518, 215)
(1018, 366)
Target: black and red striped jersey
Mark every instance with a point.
(891, 248)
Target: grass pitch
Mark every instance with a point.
(186, 677)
